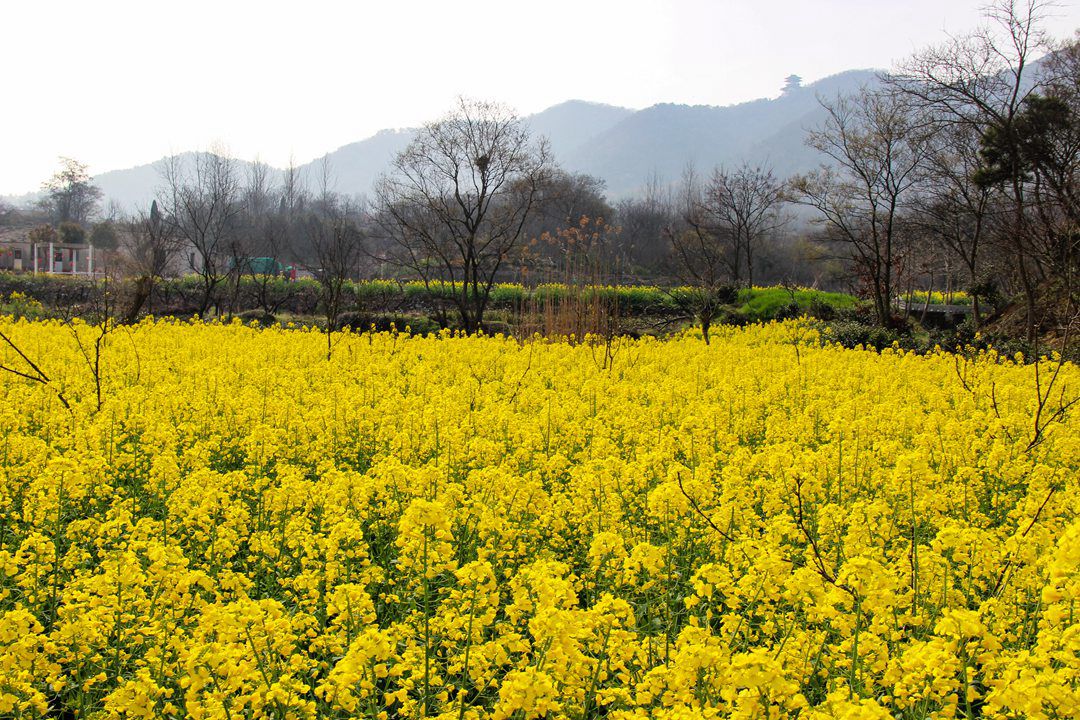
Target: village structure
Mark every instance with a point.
(18, 253)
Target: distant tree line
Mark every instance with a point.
(956, 171)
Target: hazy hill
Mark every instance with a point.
(785, 149)
(572, 124)
(662, 139)
(622, 146)
(130, 188)
(357, 166)
(136, 187)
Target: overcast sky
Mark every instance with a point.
(116, 83)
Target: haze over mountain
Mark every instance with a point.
(662, 139)
(624, 147)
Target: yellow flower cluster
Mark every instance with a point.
(764, 527)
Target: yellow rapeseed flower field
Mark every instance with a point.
(453, 527)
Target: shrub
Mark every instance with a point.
(383, 322)
(264, 319)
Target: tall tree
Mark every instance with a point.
(336, 240)
(455, 204)
(565, 199)
(70, 195)
(1051, 143)
(982, 80)
(148, 247)
(700, 257)
(743, 207)
(952, 207)
(201, 198)
(272, 226)
(643, 222)
(875, 147)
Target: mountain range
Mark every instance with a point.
(624, 147)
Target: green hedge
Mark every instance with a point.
(765, 303)
(299, 296)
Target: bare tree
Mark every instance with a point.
(336, 240)
(743, 207)
(263, 237)
(951, 207)
(201, 199)
(455, 205)
(585, 252)
(983, 80)
(700, 258)
(565, 200)
(8, 213)
(643, 220)
(293, 188)
(983, 77)
(148, 246)
(876, 147)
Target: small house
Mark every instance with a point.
(19, 254)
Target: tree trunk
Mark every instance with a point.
(749, 266)
(469, 323)
(881, 303)
(1029, 299)
(143, 288)
(926, 304)
(207, 297)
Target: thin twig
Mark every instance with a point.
(999, 585)
(818, 560)
(1042, 398)
(517, 387)
(43, 377)
(699, 511)
(40, 376)
(962, 376)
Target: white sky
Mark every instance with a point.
(116, 83)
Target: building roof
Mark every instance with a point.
(14, 234)
(19, 235)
